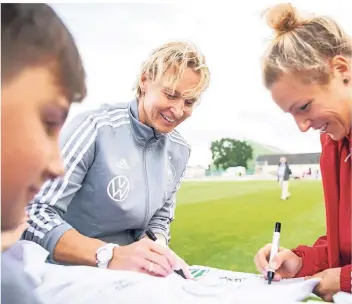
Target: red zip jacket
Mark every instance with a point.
(333, 249)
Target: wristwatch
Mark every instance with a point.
(104, 254)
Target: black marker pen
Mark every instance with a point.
(274, 250)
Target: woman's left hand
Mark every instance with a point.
(329, 284)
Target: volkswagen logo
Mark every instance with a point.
(118, 188)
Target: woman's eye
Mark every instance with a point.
(305, 107)
(189, 103)
(169, 96)
(53, 119)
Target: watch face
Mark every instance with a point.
(104, 255)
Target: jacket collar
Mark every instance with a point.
(142, 133)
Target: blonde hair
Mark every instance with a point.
(302, 45)
(175, 57)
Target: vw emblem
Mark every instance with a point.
(118, 188)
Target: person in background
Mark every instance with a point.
(317, 174)
(124, 164)
(41, 75)
(308, 70)
(283, 176)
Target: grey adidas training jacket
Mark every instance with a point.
(121, 178)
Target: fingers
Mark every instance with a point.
(152, 268)
(261, 259)
(163, 258)
(277, 277)
(159, 260)
(160, 255)
(165, 252)
(185, 269)
(181, 264)
(145, 256)
(282, 256)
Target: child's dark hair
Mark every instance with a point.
(33, 35)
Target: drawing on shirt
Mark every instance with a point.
(199, 272)
(171, 171)
(232, 279)
(122, 284)
(118, 188)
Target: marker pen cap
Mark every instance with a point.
(277, 227)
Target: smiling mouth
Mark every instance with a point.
(168, 119)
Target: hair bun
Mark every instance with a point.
(283, 18)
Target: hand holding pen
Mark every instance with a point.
(275, 262)
(180, 267)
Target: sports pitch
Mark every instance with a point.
(223, 224)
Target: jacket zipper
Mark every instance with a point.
(146, 181)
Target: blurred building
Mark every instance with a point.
(235, 171)
(195, 172)
(302, 165)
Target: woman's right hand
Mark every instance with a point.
(286, 263)
(144, 256)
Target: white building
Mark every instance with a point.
(195, 172)
(300, 164)
(235, 171)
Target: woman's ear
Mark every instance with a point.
(143, 83)
(341, 67)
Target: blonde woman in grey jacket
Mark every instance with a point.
(124, 164)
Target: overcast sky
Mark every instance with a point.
(114, 39)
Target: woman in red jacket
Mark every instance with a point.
(308, 70)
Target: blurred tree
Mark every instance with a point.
(229, 152)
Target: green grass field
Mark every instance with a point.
(223, 224)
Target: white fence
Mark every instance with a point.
(232, 178)
(253, 177)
